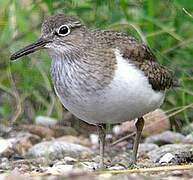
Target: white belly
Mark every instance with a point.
(128, 96)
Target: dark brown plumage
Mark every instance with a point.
(160, 77)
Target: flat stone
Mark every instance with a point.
(144, 148)
(167, 137)
(58, 150)
(174, 149)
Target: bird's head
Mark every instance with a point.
(60, 34)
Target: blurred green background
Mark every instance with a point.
(25, 86)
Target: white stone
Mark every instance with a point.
(166, 158)
(116, 129)
(45, 121)
(60, 169)
(5, 144)
(94, 138)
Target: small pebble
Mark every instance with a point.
(116, 167)
(94, 138)
(45, 121)
(166, 158)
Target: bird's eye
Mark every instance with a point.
(63, 30)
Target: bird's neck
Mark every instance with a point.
(65, 63)
(71, 72)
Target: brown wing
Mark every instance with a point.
(159, 76)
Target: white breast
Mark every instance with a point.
(131, 92)
(128, 96)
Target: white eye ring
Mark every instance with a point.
(63, 30)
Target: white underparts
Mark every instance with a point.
(128, 96)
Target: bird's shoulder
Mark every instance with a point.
(141, 56)
(129, 46)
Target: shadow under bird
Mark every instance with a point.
(102, 76)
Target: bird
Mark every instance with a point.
(102, 76)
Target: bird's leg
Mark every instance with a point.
(102, 135)
(139, 127)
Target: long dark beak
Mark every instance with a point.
(30, 49)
